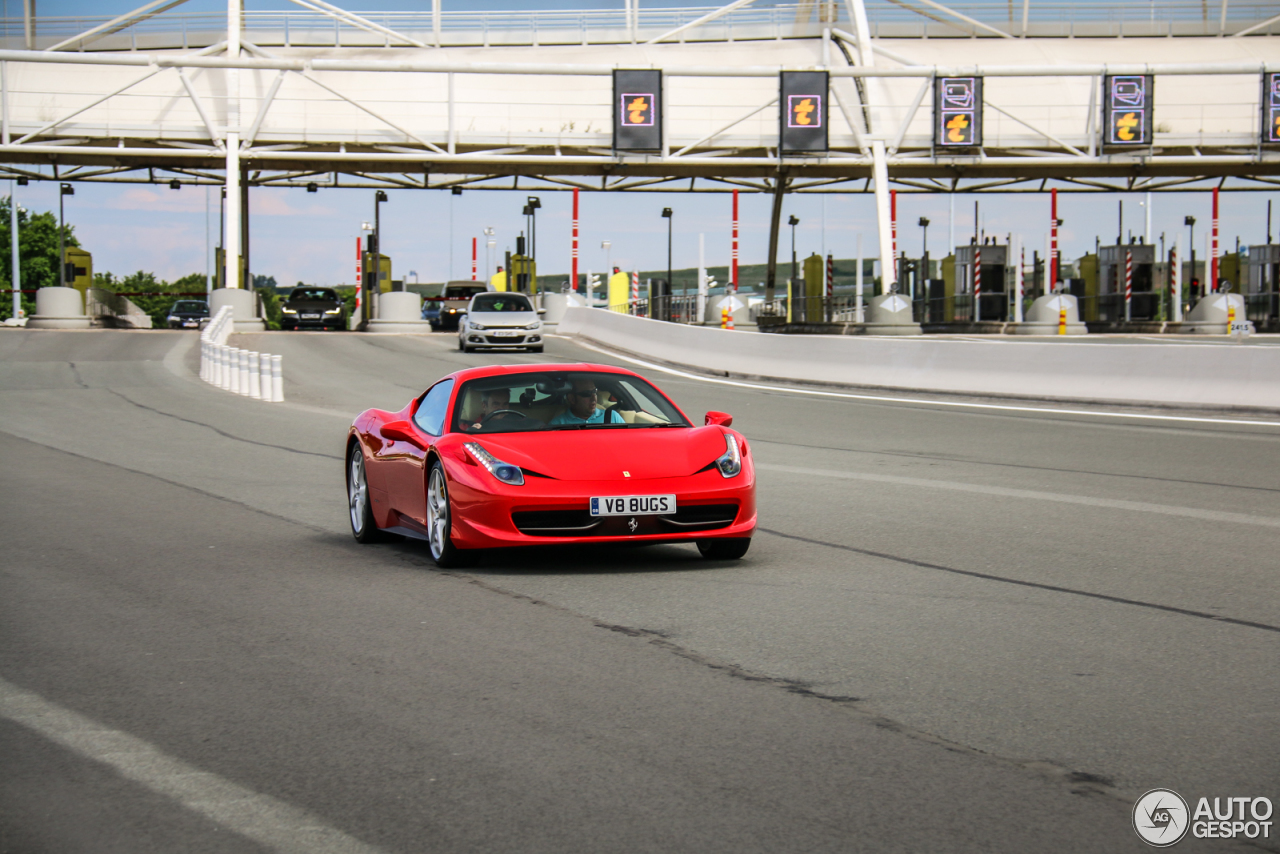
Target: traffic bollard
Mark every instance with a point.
(277, 379)
(255, 377)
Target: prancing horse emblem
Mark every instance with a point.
(633, 524)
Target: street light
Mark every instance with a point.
(65, 190)
(793, 221)
(666, 214)
(607, 245)
(1190, 222)
(924, 224)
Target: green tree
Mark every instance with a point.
(154, 296)
(37, 246)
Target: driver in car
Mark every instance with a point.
(582, 406)
(494, 404)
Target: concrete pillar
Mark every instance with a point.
(59, 308)
(880, 169)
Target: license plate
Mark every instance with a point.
(310, 317)
(633, 505)
(506, 333)
(191, 323)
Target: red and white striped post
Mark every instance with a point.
(635, 291)
(473, 258)
(1128, 285)
(831, 285)
(1053, 236)
(977, 282)
(733, 275)
(359, 277)
(573, 281)
(893, 234)
(1213, 278)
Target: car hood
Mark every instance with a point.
(605, 454)
(504, 318)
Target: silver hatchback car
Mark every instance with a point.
(500, 320)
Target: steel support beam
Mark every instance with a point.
(883, 224)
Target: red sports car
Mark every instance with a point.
(523, 455)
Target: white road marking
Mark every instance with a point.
(262, 818)
(1061, 498)
(886, 399)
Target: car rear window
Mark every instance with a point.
(464, 292)
(501, 302)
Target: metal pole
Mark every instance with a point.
(734, 258)
(702, 279)
(573, 282)
(1018, 281)
(857, 279)
(231, 240)
(15, 258)
(62, 252)
(880, 169)
(1053, 234)
(1146, 238)
(1128, 285)
(1176, 272)
(1213, 279)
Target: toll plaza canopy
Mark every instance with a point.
(963, 97)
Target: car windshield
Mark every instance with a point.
(540, 401)
(313, 294)
(501, 302)
(463, 292)
(190, 306)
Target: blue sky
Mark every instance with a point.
(300, 236)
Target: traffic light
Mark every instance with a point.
(957, 112)
(637, 110)
(1127, 109)
(803, 114)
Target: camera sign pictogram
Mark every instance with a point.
(1271, 108)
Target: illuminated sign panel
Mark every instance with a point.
(1127, 109)
(637, 110)
(1271, 108)
(957, 112)
(803, 117)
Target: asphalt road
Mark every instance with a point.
(958, 629)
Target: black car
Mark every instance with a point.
(315, 308)
(444, 311)
(188, 314)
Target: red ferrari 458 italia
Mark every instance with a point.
(524, 455)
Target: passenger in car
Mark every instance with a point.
(582, 406)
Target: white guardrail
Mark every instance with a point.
(247, 372)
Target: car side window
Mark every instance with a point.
(431, 412)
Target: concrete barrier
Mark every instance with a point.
(1162, 374)
(399, 311)
(246, 314)
(58, 308)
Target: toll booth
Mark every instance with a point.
(383, 268)
(1262, 290)
(995, 274)
(79, 273)
(941, 306)
(807, 294)
(524, 274)
(1112, 264)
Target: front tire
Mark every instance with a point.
(360, 504)
(440, 523)
(724, 549)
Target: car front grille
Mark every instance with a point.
(580, 523)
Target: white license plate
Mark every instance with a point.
(506, 333)
(633, 505)
(191, 323)
(310, 317)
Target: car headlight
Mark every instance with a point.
(475, 325)
(730, 462)
(171, 318)
(535, 325)
(289, 310)
(504, 472)
(333, 311)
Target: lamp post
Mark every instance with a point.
(15, 262)
(607, 246)
(793, 221)
(489, 244)
(666, 213)
(1190, 222)
(924, 261)
(534, 204)
(64, 191)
